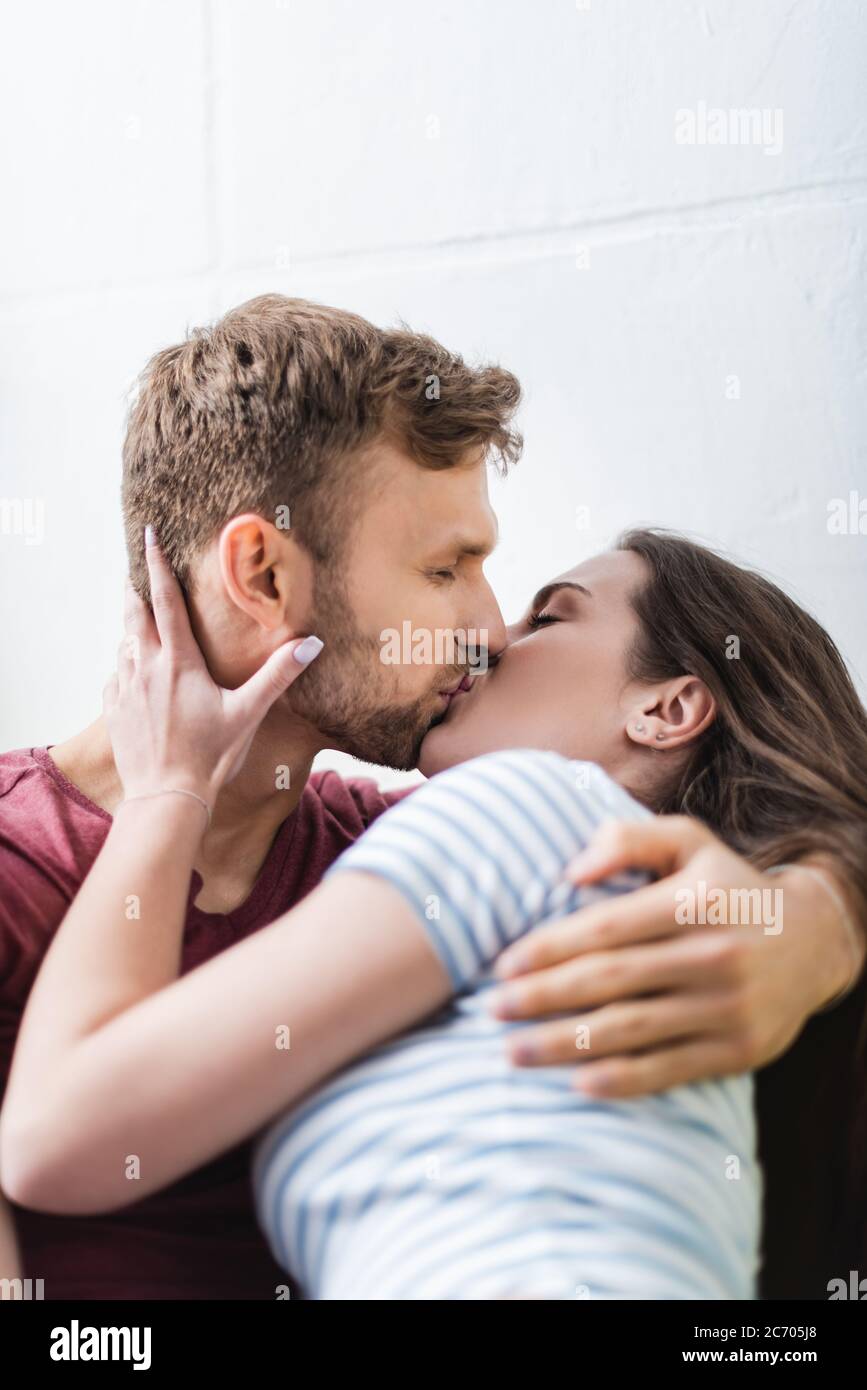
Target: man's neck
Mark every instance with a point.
(246, 818)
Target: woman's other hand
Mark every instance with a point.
(171, 725)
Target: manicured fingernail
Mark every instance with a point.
(150, 536)
(522, 1052)
(305, 652)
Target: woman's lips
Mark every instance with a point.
(463, 686)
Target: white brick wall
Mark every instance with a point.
(503, 174)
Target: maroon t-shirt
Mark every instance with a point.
(199, 1237)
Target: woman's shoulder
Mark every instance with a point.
(534, 773)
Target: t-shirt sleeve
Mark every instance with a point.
(479, 851)
(27, 897)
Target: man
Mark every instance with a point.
(355, 499)
(305, 472)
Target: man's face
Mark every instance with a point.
(394, 611)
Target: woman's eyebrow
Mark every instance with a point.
(549, 590)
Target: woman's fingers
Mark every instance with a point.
(125, 664)
(110, 694)
(140, 636)
(253, 700)
(138, 624)
(175, 718)
(167, 601)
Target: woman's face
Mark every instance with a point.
(561, 682)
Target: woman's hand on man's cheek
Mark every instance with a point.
(712, 969)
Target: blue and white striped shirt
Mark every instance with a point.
(434, 1168)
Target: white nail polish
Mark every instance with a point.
(307, 650)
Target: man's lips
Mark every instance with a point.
(464, 684)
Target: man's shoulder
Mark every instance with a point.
(48, 829)
(17, 764)
(31, 784)
(354, 801)
(48, 841)
(26, 791)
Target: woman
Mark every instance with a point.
(758, 744)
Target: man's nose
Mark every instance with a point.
(489, 624)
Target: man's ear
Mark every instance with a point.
(264, 572)
(672, 715)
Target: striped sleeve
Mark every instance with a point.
(479, 851)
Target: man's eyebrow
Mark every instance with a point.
(549, 590)
(463, 545)
(477, 547)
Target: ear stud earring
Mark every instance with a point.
(660, 736)
(639, 727)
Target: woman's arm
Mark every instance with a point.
(100, 1113)
(416, 909)
(124, 1076)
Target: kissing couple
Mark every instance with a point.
(279, 1031)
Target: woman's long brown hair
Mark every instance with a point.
(781, 774)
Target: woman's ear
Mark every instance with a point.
(672, 715)
(258, 567)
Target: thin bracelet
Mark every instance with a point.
(851, 930)
(172, 791)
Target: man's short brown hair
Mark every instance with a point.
(272, 408)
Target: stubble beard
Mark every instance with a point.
(349, 694)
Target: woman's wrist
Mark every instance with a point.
(204, 798)
(175, 814)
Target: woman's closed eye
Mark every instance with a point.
(536, 620)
